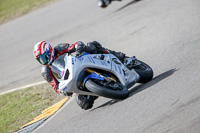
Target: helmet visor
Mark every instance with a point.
(44, 58)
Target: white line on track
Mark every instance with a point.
(19, 88)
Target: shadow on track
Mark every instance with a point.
(141, 87)
(128, 4)
(154, 81)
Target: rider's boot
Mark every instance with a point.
(129, 62)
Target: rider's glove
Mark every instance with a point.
(62, 92)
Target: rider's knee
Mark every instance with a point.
(85, 101)
(45, 73)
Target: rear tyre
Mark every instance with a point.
(145, 72)
(120, 93)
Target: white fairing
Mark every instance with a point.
(77, 65)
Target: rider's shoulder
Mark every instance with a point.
(61, 46)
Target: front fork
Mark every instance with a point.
(95, 75)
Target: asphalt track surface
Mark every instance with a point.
(164, 34)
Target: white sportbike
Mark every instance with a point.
(98, 75)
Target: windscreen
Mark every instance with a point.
(58, 67)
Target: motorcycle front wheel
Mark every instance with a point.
(118, 92)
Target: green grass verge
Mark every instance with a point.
(10, 9)
(20, 107)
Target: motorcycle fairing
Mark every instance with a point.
(109, 63)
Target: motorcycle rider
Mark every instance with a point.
(45, 54)
(105, 3)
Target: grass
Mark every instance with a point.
(20, 107)
(10, 9)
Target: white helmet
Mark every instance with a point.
(43, 52)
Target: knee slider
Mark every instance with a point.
(45, 73)
(84, 101)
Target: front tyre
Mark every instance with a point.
(144, 70)
(119, 92)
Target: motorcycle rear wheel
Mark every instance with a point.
(122, 93)
(145, 72)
